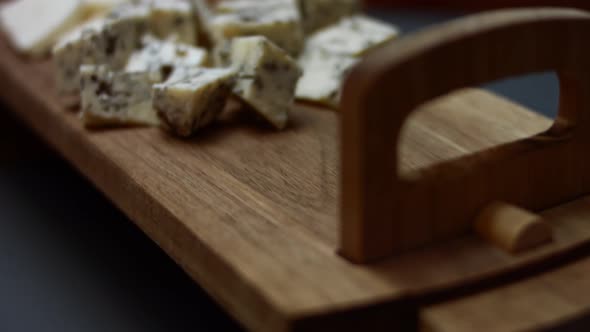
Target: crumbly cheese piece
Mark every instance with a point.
(330, 54)
(108, 41)
(317, 14)
(280, 23)
(352, 36)
(188, 105)
(174, 18)
(33, 26)
(166, 59)
(74, 50)
(267, 77)
(115, 98)
(323, 77)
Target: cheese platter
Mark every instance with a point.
(352, 219)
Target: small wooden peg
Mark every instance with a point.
(512, 228)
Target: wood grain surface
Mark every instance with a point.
(253, 214)
(545, 302)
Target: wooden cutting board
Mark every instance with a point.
(254, 215)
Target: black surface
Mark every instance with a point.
(70, 261)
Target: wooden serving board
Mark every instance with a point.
(552, 301)
(253, 215)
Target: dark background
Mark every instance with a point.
(70, 261)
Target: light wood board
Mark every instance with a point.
(252, 214)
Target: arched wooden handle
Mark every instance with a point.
(382, 213)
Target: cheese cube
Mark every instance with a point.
(188, 105)
(330, 54)
(33, 26)
(173, 18)
(317, 14)
(267, 77)
(323, 77)
(74, 50)
(166, 59)
(110, 42)
(279, 23)
(115, 98)
(352, 36)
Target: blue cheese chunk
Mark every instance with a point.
(112, 98)
(323, 77)
(74, 50)
(352, 36)
(188, 105)
(331, 53)
(166, 59)
(267, 77)
(280, 22)
(109, 41)
(173, 18)
(318, 14)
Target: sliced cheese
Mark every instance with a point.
(267, 77)
(33, 26)
(189, 105)
(112, 98)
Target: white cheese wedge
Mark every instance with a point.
(166, 59)
(317, 14)
(115, 98)
(323, 77)
(352, 36)
(109, 42)
(174, 18)
(281, 23)
(33, 26)
(267, 77)
(189, 105)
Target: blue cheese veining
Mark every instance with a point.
(267, 77)
(109, 41)
(111, 98)
(166, 59)
(188, 105)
